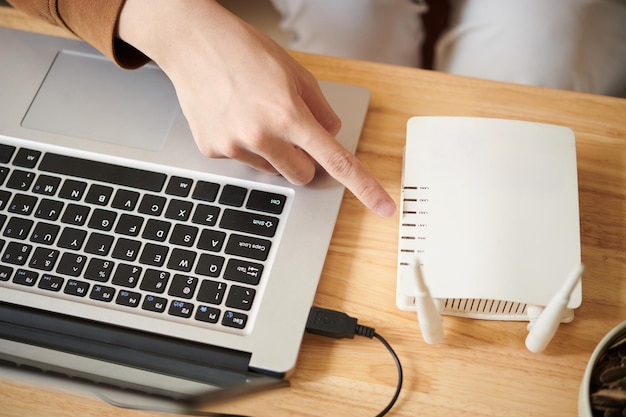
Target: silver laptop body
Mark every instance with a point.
(68, 104)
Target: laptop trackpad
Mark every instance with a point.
(88, 96)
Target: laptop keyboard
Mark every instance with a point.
(161, 244)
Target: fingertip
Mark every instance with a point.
(385, 208)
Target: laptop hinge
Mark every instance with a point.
(155, 353)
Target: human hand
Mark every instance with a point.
(244, 96)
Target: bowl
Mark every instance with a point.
(603, 358)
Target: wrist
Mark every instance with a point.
(155, 27)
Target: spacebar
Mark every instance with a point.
(102, 171)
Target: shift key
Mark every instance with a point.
(247, 222)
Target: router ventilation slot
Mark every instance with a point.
(484, 307)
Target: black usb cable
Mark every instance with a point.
(339, 325)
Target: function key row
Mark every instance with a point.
(210, 292)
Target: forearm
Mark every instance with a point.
(173, 32)
(94, 21)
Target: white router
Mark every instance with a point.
(489, 224)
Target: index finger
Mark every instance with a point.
(346, 168)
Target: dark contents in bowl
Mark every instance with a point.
(608, 381)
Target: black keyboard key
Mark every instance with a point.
(211, 240)
(154, 281)
(207, 314)
(4, 173)
(44, 258)
(248, 247)
(211, 292)
(16, 253)
(46, 185)
(179, 186)
(26, 158)
(72, 238)
(102, 171)
(233, 195)
(22, 204)
(102, 219)
(99, 270)
(156, 230)
(128, 298)
(125, 200)
(234, 319)
(76, 288)
(71, 264)
(75, 214)
(126, 249)
(50, 282)
(181, 260)
(183, 286)
(6, 152)
(5, 196)
(152, 205)
(99, 244)
(267, 202)
(49, 209)
(206, 191)
(5, 272)
(102, 293)
(25, 277)
(18, 228)
(156, 304)
(153, 255)
(73, 190)
(240, 297)
(129, 225)
(99, 194)
(206, 215)
(184, 235)
(179, 210)
(20, 180)
(209, 265)
(249, 222)
(126, 275)
(45, 233)
(180, 309)
(243, 271)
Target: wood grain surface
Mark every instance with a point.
(482, 368)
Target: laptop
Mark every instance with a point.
(130, 260)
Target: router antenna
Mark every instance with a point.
(548, 321)
(428, 314)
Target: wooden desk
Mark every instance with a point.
(482, 368)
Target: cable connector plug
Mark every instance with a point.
(338, 325)
(335, 324)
